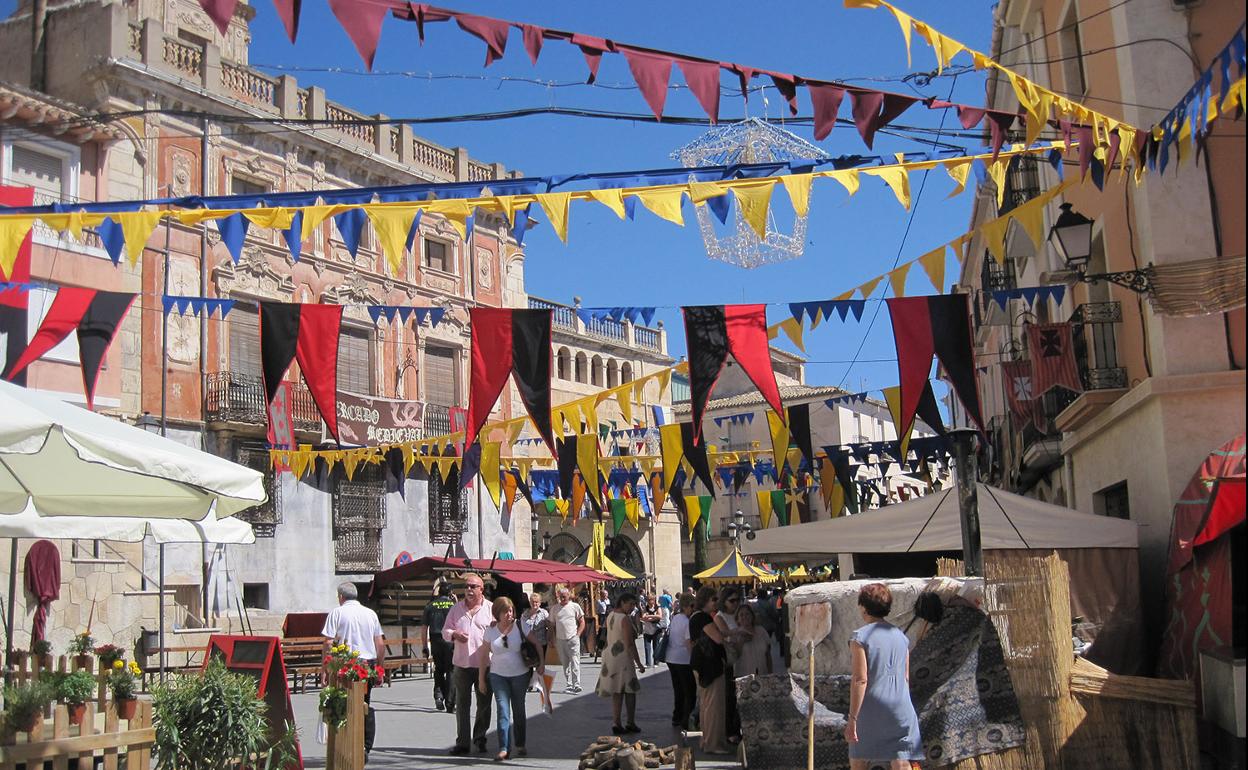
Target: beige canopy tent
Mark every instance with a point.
(1102, 553)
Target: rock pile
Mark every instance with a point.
(609, 752)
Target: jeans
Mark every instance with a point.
(570, 656)
(509, 693)
(465, 691)
(648, 641)
(684, 692)
(441, 651)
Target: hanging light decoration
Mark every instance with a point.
(750, 141)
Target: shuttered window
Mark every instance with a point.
(438, 255)
(43, 171)
(441, 383)
(355, 366)
(245, 342)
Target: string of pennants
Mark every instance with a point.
(617, 314)
(406, 312)
(1030, 294)
(181, 305)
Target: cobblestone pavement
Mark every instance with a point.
(410, 734)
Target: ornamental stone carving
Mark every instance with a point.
(485, 269)
(252, 275)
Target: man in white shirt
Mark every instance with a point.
(356, 626)
(568, 622)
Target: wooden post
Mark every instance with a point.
(344, 749)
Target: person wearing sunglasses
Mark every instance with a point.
(465, 626)
(734, 637)
(503, 667)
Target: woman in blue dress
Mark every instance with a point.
(883, 726)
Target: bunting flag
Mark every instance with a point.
(1029, 294)
(505, 342)
(490, 470)
(619, 513)
(763, 497)
(698, 508)
(843, 475)
(892, 397)
(938, 325)
(1052, 358)
(799, 430)
(15, 245)
(94, 315)
(823, 310)
(780, 506)
(587, 464)
(658, 494)
(1018, 388)
(929, 412)
(433, 315)
(712, 332)
(672, 449)
(181, 305)
(307, 334)
(780, 439)
(695, 454)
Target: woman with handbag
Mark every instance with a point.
(534, 624)
(684, 689)
(503, 661)
(708, 661)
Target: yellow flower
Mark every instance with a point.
(134, 668)
(355, 653)
(119, 664)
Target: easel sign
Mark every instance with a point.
(261, 658)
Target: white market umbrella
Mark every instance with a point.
(69, 462)
(28, 523)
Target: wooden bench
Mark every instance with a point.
(303, 657)
(407, 655)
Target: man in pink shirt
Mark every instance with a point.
(465, 626)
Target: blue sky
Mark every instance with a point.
(649, 261)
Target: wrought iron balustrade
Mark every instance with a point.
(437, 421)
(1096, 348)
(241, 398)
(265, 517)
(1022, 183)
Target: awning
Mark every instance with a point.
(515, 570)
(735, 569)
(595, 556)
(1226, 510)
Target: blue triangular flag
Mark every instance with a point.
(797, 310)
(1001, 297)
(166, 301)
(233, 231)
(225, 306)
(719, 206)
(196, 305)
(294, 236)
(415, 228)
(1057, 293)
(405, 313)
(1029, 293)
(435, 315)
(350, 225)
(647, 315)
(113, 239)
(375, 312)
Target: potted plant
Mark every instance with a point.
(214, 721)
(122, 682)
(41, 649)
(24, 705)
(74, 691)
(108, 654)
(81, 647)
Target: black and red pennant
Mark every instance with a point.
(714, 331)
(504, 342)
(95, 315)
(307, 334)
(938, 325)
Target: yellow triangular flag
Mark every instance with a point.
(591, 415)
(848, 179)
(564, 507)
(13, 232)
(514, 429)
(664, 202)
(314, 216)
(700, 192)
(868, 288)
(409, 457)
(671, 449)
(556, 207)
(793, 330)
(958, 172)
(753, 201)
(997, 172)
(1038, 118)
(624, 399)
(664, 377)
(945, 48)
(137, 227)
(612, 198)
(764, 507)
(392, 225)
(897, 279)
(350, 460)
(273, 219)
(647, 465)
(632, 511)
(456, 211)
(693, 511)
(933, 263)
(491, 452)
(897, 178)
(993, 232)
(1031, 219)
(903, 21)
(892, 397)
(780, 439)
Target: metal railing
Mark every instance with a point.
(263, 518)
(564, 317)
(1022, 183)
(240, 398)
(359, 516)
(1096, 345)
(249, 84)
(437, 421)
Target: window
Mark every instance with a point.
(51, 170)
(438, 255)
(613, 373)
(563, 364)
(448, 507)
(359, 516)
(626, 373)
(265, 517)
(245, 342)
(1070, 49)
(1113, 501)
(441, 382)
(582, 366)
(595, 371)
(256, 596)
(240, 185)
(355, 365)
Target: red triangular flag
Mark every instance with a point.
(493, 32)
(652, 73)
(826, 100)
(362, 23)
(703, 80)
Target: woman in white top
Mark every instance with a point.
(734, 637)
(535, 624)
(507, 676)
(754, 655)
(679, 652)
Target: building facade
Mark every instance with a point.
(157, 61)
(1159, 392)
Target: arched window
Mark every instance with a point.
(564, 547)
(625, 553)
(563, 363)
(582, 367)
(595, 372)
(613, 373)
(626, 373)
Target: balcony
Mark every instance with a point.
(240, 398)
(437, 420)
(563, 317)
(1096, 353)
(1022, 183)
(993, 277)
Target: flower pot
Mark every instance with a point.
(30, 724)
(82, 661)
(126, 707)
(76, 712)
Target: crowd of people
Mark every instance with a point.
(483, 651)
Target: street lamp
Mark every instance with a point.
(535, 526)
(1071, 236)
(148, 423)
(738, 527)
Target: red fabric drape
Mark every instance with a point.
(43, 580)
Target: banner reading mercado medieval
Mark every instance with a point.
(371, 420)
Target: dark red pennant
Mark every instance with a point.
(220, 11)
(970, 117)
(826, 101)
(532, 41)
(362, 23)
(1086, 147)
(998, 124)
(506, 341)
(912, 334)
(652, 72)
(748, 343)
(491, 364)
(317, 354)
(493, 32)
(593, 48)
(289, 11)
(68, 307)
(95, 334)
(703, 80)
(866, 110)
(787, 86)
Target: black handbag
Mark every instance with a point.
(530, 654)
(707, 660)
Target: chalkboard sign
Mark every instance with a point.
(259, 657)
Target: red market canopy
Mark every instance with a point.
(515, 570)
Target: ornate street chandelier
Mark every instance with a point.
(750, 141)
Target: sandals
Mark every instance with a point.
(631, 728)
(617, 730)
(502, 756)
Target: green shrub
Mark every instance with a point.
(40, 647)
(23, 702)
(75, 688)
(82, 644)
(210, 722)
